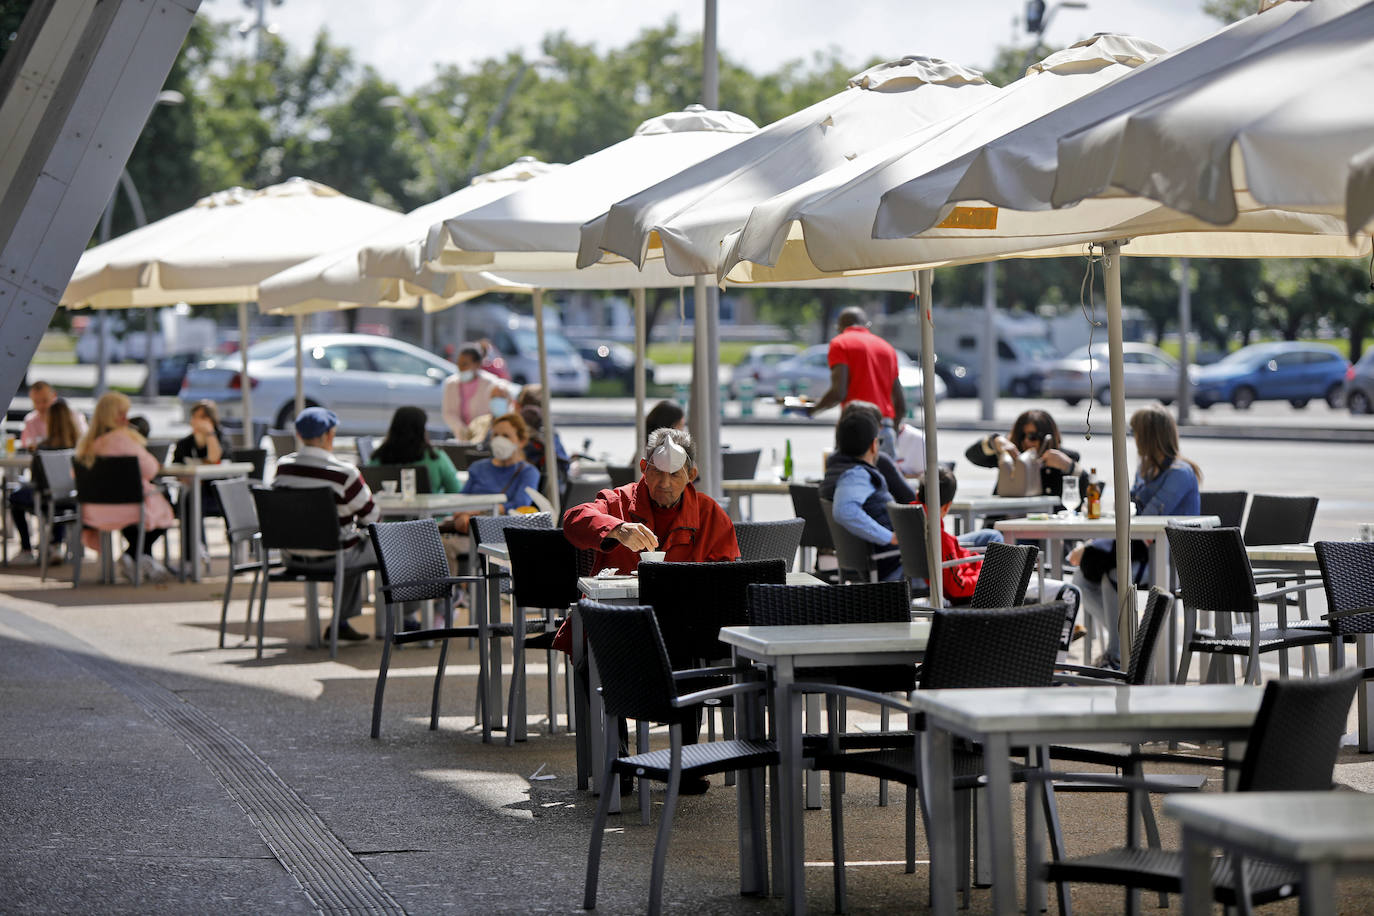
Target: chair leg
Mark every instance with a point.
(837, 841)
(642, 747)
(224, 606)
(380, 692)
(262, 602)
(80, 555)
(665, 824)
(138, 554)
(252, 594)
(603, 808)
(517, 672)
(443, 662)
(912, 794)
(338, 610)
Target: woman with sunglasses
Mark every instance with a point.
(1033, 430)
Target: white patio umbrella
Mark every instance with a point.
(684, 218)
(1276, 128)
(219, 250)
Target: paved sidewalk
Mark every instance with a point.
(146, 770)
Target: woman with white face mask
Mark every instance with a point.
(506, 471)
(472, 396)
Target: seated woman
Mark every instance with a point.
(1166, 483)
(61, 433)
(506, 472)
(206, 444)
(407, 444)
(109, 436)
(1033, 430)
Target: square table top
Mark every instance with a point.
(421, 503)
(1297, 826)
(1004, 503)
(1078, 526)
(829, 639)
(1088, 709)
(207, 471)
(1283, 553)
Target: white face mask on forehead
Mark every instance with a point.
(669, 457)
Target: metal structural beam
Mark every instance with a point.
(75, 91)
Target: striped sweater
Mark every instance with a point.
(316, 467)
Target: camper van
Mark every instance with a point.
(1023, 344)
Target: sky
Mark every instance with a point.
(406, 40)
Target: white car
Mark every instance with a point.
(760, 364)
(1148, 372)
(360, 377)
(809, 374)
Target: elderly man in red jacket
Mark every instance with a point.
(660, 511)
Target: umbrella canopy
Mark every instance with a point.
(219, 249)
(684, 218)
(1277, 128)
(336, 279)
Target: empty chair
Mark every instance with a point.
(581, 491)
(109, 481)
(622, 475)
(806, 503)
(739, 465)
(776, 540)
(1279, 519)
(637, 682)
(257, 457)
(55, 501)
(412, 566)
(1226, 505)
(543, 574)
(694, 600)
(1005, 576)
(1292, 747)
(1348, 577)
(463, 455)
(243, 532)
(375, 474)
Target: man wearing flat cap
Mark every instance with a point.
(660, 511)
(315, 465)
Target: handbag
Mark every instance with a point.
(1018, 475)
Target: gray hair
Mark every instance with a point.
(681, 437)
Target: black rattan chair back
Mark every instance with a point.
(806, 503)
(491, 529)
(775, 540)
(1227, 505)
(257, 457)
(636, 678)
(909, 524)
(854, 554)
(1280, 519)
(692, 601)
(109, 481)
(1005, 575)
(622, 475)
(1297, 734)
(374, 474)
(1348, 577)
(811, 605)
(739, 465)
(577, 492)
(994, 647)
(302, 518)
(543, 568)
(462, 455)
(1157, 608)
(410, 552)
(1213, 571)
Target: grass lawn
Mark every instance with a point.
(731, 351)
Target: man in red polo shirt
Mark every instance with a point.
(863, 367)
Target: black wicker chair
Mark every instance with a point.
(257, 457)
(806, 504)
(1005, 576)
(1280, 519)
(1348, 576)
(968, 648)
(412, 566)
(1214, 575)
(1226, 505)
(621, 475)
(544, 572)
(776, 540)
(109, 481)
(1292, 747)
(637, 682)
(736, 464)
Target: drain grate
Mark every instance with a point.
(331, 876)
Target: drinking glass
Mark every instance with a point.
(776, 465)
(1069, 495)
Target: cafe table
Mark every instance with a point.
(737, 489)
(785, 650)
(1320, 833)
(191, 475)
(1002, 718)
(965, 509)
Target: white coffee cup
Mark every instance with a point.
(652, 556)
(389, 487)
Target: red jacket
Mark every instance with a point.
(700, 531)
(959, 581)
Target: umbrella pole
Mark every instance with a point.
(297, 326)
(1121, 490)
(641, 355)
(245, 386)
(1185, 327)
(550, 459)
(934, 499)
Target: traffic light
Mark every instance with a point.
(1035, 16)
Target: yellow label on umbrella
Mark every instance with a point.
(970, 218)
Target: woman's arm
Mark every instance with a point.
(983, 452)
(447, 474)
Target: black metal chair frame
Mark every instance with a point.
(109, 481)
(295, 519)
(544, 572)
(815, 533)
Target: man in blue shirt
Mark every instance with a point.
(861, 495)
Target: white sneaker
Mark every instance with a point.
(126, 567)
(152, 569)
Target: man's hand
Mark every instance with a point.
(893, 542)
(1057, 460)
(635, 536)
(1076, 555)
(839, 386)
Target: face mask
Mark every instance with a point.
(502, 448)
(467, 375)
(499, 407)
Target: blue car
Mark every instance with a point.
(1282, 371)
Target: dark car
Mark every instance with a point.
(1359, 384)
(1284, 371)
(960, 380)
(171, 370)
(613, 361)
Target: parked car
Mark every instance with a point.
(613, 361)
(761, 363)
(1148, 372)
(171, 370)
(809, 374)
(360, 377)
(519, 344)
(960, 380)
(1282, 371)
(1359, 384)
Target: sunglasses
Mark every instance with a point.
(1031, 435)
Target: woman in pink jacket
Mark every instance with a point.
(110, 436)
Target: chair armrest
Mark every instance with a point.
(713, 671)
(1079, 674)
(1278, 575)
(446, 580)
(1292, 589)
(1110, 779)
(946, 564)
(1352, 612)
(716, 693)
(855, 693)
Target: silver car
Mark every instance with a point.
(808, 373)
(360, 377)
(760, 364)
(1148, 371)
